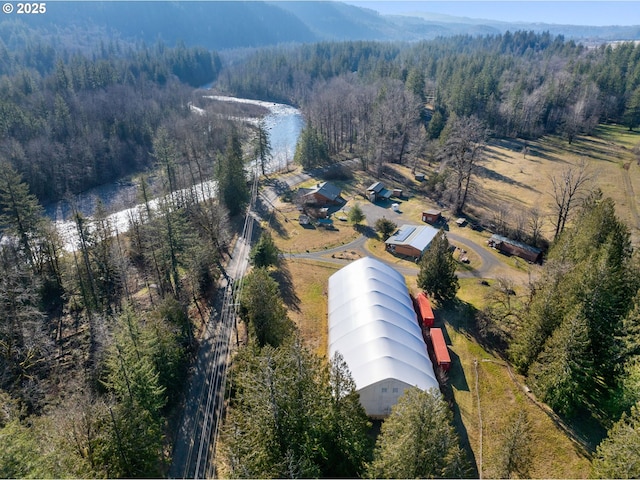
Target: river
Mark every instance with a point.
(283, 122)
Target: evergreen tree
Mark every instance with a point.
(356, 215)
(20, 212)
(564, 369)
(575, 321)
(631, 116)
(108, 274)
(265, 253)
(166, 155)
(20, 453)
(385, 227)
(617, 455)
(311, 149)
(232, 180)
(135, 446)
(293, 416)
(262, 147)
(418, 440)
(273, 429)
(415, 83)
(262, 308)
(174, 242)
(437, 274)
(346, 440)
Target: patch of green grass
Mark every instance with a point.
(618, 134)
(482, 385)
(473, 292)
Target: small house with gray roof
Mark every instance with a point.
(411, 240)
(324, 193)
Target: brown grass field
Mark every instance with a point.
(514, 182)
(510, 179)
(291, 237)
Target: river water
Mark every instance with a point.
(283, 123)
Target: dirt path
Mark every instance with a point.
(630, 195)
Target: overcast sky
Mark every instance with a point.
(576, 12)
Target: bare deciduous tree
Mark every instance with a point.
(462, 151)
(567, 187)
(515, 452)
(536, 222)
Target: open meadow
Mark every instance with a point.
(514, 181)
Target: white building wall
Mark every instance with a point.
(378, 399)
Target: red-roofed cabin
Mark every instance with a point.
(424, 310)
(440, 349)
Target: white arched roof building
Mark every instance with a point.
(373, 325)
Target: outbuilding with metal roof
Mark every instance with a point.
(373, 325)
(411, 240)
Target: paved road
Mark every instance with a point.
(194, 448)
(488, 267)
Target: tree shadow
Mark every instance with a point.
(366, 230)
(277, 225)
(455, 378)
(282, 275)
(484, 172)
(280, 187)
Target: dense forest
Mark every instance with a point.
(96, 341)
(520, 84)
(70, 121)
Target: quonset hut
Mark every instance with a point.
(373, 325)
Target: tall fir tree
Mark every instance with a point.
(20, 212)
(311, 149)
(437, 275)
(617, 455)
(232, 179)
(418, 440)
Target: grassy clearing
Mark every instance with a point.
(309, 293)
(518, 182)
(291, 237)
(477, 372)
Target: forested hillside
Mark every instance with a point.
(70, 121)
(521, 84)
(96, 336)
(237, 24)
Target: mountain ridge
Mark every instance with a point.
(223, 25)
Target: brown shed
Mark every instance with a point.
(431, 216)
(323, 194)
(411, 240)
(513, 247)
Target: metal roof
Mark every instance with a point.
(499, 238)
(327, 190)
(375, 187)
(373, 325)
(417, 236)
